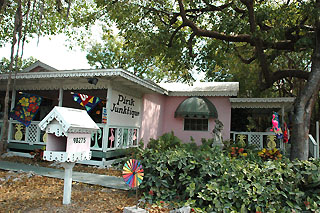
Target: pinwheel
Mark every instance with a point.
(132, 173)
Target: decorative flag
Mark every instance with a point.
(87, 101)
(276, 126)
(26, 108)
(285, 133)
(132, 173)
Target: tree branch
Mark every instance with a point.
(174, 34)
(243, 60)
(190, 45)
(212, 34)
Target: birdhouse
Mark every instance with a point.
(68, 134)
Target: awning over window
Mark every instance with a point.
(196, 107)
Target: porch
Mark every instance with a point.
(22, 140)
(260, 140)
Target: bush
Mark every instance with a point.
(165, 142)
(209, 180)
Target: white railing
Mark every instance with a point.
(120, 138)
(258, 139)
(313, 147)
(1, 124)
(314, 144)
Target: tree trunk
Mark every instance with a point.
(304, 104)
(17, 29)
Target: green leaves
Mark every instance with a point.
(221, 184)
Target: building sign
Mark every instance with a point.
(124, 110)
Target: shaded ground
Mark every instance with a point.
(77, 167)
(31, 193)
(27, 192)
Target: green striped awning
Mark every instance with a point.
(196, 107)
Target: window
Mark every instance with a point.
(195, 124)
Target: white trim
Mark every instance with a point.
(64, 74)
(202, 89)
(260, 102)
(204, 93)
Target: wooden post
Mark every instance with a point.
(60, 97)
(13, 102)
(106, 126)
(317, 137)
(67, 182)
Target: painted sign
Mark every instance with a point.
(104, 115)
(124, 110)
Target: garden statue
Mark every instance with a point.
(217, 135)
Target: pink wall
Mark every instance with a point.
(171, 123)
(158, 118)
(152, 116)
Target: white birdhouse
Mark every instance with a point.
(68, 134)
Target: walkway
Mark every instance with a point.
(89, 178)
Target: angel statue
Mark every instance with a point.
(217, 135)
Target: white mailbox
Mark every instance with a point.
(68, 134)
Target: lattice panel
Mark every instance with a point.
(119, 137)
(135, 137)
(130, 136)
(256, 140)
(32, 133)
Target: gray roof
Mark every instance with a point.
(202, 89)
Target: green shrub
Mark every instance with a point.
(165, 142)
(211, 181)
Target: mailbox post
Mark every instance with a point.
(68, 140)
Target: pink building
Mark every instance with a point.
(160, 110)
(130, 108)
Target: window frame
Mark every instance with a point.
(196, 119)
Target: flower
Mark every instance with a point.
(24, 101)
(33, 107)
(161, 201)
(151, 193)
(18, 113)
(241, 150)
(27, 114)
(245, 154)
(306, 203)
(33, 99)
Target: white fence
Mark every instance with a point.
(259, 139)
(314, 144)
(106, 139)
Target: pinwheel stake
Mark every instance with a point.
(133, 174)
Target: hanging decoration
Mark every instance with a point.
(276, 126)
(104, 115)
(26, 108)
(132, 173)
(87, 101)
(285, 133)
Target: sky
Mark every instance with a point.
(52, 52)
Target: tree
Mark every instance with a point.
(21, 20)
(258, 32)
(115, 52)
(22, 63)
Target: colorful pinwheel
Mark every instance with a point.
(132, 173)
